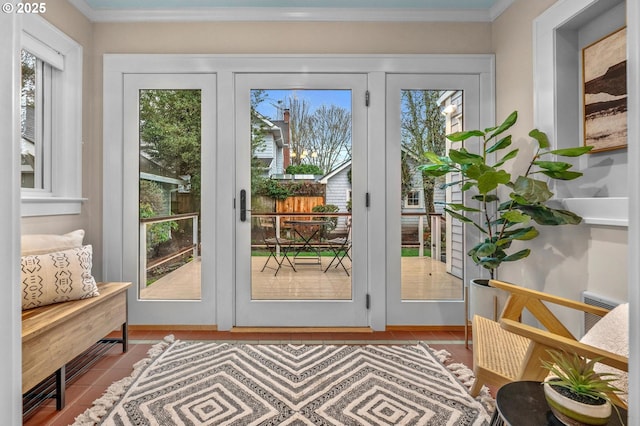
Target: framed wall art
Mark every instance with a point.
(604, 71)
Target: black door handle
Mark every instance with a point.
(243, 205)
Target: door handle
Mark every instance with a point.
(243, 205)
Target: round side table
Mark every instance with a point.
(523, 404)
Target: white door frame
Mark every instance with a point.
(225, 66)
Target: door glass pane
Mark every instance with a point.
(31, 106)
(432, 251)
(301, 246)
(169, 194)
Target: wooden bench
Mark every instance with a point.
(54, 335)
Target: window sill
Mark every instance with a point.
(50, 206)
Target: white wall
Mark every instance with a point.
(633, 86)
(10, 350)
(569, 259)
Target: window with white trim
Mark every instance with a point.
(413, 199)
(51, 120)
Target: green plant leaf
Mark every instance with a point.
(458, 216)
(489, 262)
(532, 190)
(462, 156)
(565, 175)
(462, 136)
(524, 234)
(541, 137)
(506, 158)
(544, 215)
(517, 255)
(459, 207)
(501, 144)
(486, 198)
(516, 216)
(490, 180)
(467, 186)
(436, 170)
(554, 166)
(474, 171)
(571, 152)
(506, 124)
(433, 157)
(485, 249)
(452, 183)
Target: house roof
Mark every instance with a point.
(275, 128)
(335, 171)
(347, 163)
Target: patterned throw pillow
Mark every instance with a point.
(48, 243)
(57, 277)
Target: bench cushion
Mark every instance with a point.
(57, 277)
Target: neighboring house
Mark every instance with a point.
(168, 181)
(338, 189)
(28, 150)
(273, 153)
(451, 102)
(338, 192)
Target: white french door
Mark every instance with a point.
(300, 200)
(425, 248)
(168, 129)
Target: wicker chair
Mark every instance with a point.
(510, 350)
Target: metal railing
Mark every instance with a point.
(434, 218)
(144, 265)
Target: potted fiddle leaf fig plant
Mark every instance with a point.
(576, 393)
(504, 205)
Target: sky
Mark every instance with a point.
(316, 98)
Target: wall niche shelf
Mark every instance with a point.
(611, 211)
(560, 35)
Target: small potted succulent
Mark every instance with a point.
(576, 393)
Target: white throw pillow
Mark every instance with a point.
(48, 243)
(57, 277)
(611, 333)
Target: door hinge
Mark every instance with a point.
(368, 301)
(366, 98)
(367, 200)
(234, 203)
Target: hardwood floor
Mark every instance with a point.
(116, 365)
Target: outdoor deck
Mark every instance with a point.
(422, 278)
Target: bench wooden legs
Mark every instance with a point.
(60, 387)
(125, 338)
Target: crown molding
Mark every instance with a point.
(317, 14)
(498, 7)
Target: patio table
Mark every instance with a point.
(299, 227)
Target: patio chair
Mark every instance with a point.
(341, 246)
(512, 351)
(276, 245)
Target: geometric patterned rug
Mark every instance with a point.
(209, 383)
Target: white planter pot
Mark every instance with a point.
(573, 413)
(485, 301)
